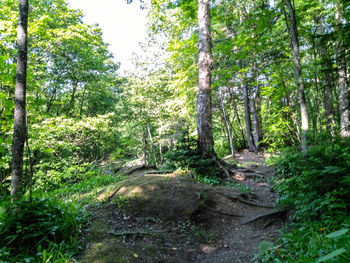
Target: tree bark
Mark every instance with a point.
(342, 77)
(238, 118)
(251, 145)
(326, 78)
(255, 119)
(204, 115)
(294, 41)
(19, 129)
(232, 148)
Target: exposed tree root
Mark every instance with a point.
(242, 200)
(233, 172)
(268, 214)
(135, 232)
(160, 172)
(138, 168)
(223, 213)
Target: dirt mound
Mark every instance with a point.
(167, 196)
(171, 218)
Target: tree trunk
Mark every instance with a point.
(152, 145)
(294, 41)
(255, 119)
(232, 148)
(342, 77)
(238, 118)
(251, 145)
(145, 147)
(204, 115)
(327, 78)
(19, 129)
(72, 99)
(82, 102)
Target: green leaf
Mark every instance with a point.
(331, 255)
(264, 246)
(338, 233)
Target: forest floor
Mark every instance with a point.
(153, 218)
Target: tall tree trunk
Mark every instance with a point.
(342, 77)
(251, 145)
(255, 119)
(145, 147)
(327, 77)
(232, 148)
(291, 24)
(19, 129)
(317, 101)
(204, 115)
(238, 118)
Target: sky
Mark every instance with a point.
(123, 25)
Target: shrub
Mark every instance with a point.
(64, 149)
(29, 228)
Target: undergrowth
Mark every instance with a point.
(315, 185)
(41, 229)
(47, 229)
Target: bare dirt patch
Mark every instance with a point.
(171, 218)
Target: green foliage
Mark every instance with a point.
(187, 156)
(65, 148)
(307, 242)
(28, 230)
(315, 185)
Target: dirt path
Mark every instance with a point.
(170, 218)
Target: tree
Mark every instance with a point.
(205, 60)
(343, 85)
(19, 130)
(291, 24)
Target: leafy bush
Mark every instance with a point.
(316, 186)
(27, 229)
(64, 149)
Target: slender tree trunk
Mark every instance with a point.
(257, 105)
(255, 119)
(251, 145)
(152, 144)
(317, 101)
(204, 115)
(71, 103)
(238, 118)
(82, 102)
(232, 148)
(342, 77)
(49, 102)
(19, 129)
(327, 78)
(145, 147)
(294, 41)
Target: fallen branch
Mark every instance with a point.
(273, 213)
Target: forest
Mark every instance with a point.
(228, 140)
